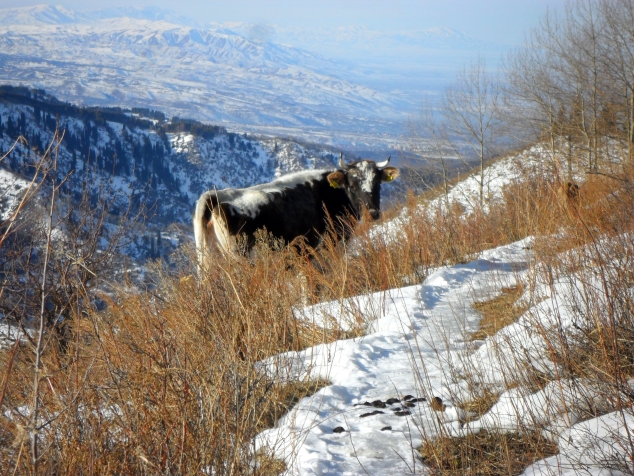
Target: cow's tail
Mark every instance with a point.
(203, 230)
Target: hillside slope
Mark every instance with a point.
(138, 158)
(429, 357)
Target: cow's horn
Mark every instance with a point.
(341, 164)
(384, 163)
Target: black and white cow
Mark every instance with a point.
(292, 206)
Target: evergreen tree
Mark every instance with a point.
(11, 129)
(22, 124)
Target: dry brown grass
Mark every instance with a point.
(601, 249)
(485, 453)
(166, 381)
(499, 312)
(481, 403)
(584, 240)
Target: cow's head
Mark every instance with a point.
(361, 181)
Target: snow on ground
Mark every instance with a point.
(417, 345)
(9, 333)
(536, 160)
(11, 189)
(603, 439)
(414, 331)
(496, 177)
(465, 195)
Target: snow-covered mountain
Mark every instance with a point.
(41, 15)
(60, 15)
(210, 75)
(253, 76)
(144, 13)
(137, 156)
(403, 64)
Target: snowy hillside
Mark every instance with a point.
(380, 400)
(401, 355)
(465, 194)
(138, 157)
(12, 188)
(406, 380)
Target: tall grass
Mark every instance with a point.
(584, 246)
(166, 381)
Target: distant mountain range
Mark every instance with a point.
(248, 77)
(59, 15)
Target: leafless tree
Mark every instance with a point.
(580, 54)
(617, 58)
(536, 91)
(471, 109)
(427, 138)
(574, 79)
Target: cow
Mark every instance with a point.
(296, 205)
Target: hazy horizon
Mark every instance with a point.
(499, 21)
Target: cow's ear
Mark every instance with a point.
(336, 179)
(389, 173)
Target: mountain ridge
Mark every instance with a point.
(354, 86)
(213, 76)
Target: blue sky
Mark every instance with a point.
(502, 21)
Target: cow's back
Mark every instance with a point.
(286, 212)
(296, 205)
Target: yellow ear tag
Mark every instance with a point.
(389, 178)
(334, 184)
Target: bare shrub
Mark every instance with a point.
(166, 380)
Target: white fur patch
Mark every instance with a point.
(250, 200)
(292, 180)
(366, 174)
